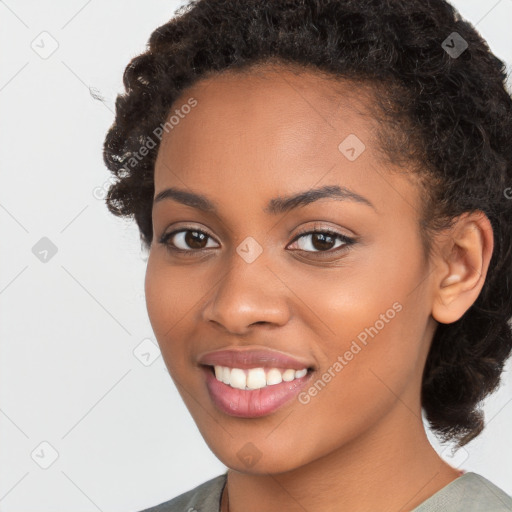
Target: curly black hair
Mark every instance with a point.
(443, 107)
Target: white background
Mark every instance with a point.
(69, 326)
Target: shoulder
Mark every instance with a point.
(205, 497)
(470, 492)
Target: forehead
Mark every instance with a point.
(277, 101)
(274, 129)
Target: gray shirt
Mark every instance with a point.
(468, 493)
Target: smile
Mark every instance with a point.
(256, 378)
(254, 392)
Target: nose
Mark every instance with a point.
(247, 294)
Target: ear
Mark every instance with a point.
(461, 263)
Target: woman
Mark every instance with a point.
(324, 191)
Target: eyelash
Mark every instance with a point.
(347, 241)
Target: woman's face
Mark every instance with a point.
(354, 305)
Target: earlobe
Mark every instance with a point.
(462, 266)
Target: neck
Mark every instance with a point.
(386, 469)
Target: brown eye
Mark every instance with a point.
(322, 241)
(195, 239)
(187, 240)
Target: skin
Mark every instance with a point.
(359, 444)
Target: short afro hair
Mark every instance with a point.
(446, 110)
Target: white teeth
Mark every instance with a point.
(256, 378)
(300, 373)
(237, 378)
(274, 377)
(288, 375)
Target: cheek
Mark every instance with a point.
(170, 298)
(369, 321)
(369, 342)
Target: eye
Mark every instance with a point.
(322, 240)
(190, 241)
(187, 240)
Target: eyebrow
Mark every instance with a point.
(275, 206)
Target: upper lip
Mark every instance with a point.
(253, 357)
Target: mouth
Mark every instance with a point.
(253, 392)
(255, 378)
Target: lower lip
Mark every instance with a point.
(252, 403)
